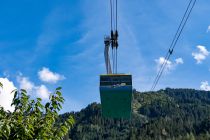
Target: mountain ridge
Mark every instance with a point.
(164, 114)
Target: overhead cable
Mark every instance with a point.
(174, 42)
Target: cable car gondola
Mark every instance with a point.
(116, 95)
(115, 89)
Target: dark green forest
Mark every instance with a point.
(172, 114)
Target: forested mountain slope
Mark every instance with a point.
(165, 114)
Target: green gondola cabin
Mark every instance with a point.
(116, 95)
(115, 89)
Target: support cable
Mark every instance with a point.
(174, 42)
(116, 34)
(116, 60)
(111, 12)
(165, 58)
(112, 60)
(116, 15)
(113, 16)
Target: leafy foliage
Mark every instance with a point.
(181, 114)
(1, 85)
(33, 120)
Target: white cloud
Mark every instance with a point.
(169, 65)
(42, 92)
(160, 61)
(205, 86)
(203, 50)
(37, 91)
(25, 83)
(5, 94)
(201, 55)
(208, 29)
(179, 61)
(48, 76)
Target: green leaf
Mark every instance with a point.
(23, 90)
(58, 93)
(39, 99)
(59, 88)
(50, 97)
(39, 105)
(16, 102)
(15, 95)
(1, 85)
(15, 90)
(64, 129)
(47, 105)
(54, 105)
(32, 101)
(70, 121)
(59, 105)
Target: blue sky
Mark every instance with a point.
(64, 41)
